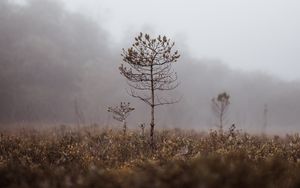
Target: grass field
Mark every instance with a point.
(95, 157)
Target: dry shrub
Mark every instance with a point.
(90, 157)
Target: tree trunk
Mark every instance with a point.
(124, 127)
(152, 111)
(152, 127)
(221, 122)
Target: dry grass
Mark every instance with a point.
(91, 157)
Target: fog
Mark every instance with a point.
(247, 34)
(55, 63)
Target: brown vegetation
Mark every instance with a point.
(93, 157)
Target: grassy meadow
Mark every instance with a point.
(96, 157)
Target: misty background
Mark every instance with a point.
(56, 62)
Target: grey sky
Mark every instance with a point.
(244, 34)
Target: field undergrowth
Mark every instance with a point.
(95, 157)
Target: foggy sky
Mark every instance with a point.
(53, 61)
(245, 34)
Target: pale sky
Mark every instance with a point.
(261, 35)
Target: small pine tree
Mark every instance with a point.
(120, 113)
(220, 106)
(148, 69)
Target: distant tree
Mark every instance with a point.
(148, 70)
(120, 113)
(142, 126)
(220, 106)
(265, 123)
(79, 115)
